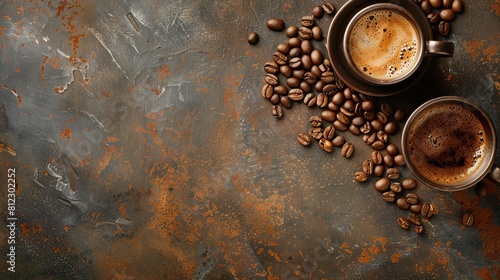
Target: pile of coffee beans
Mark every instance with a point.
(440, 13)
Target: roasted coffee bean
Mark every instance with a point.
(382, 136)
(411, 198)
(382, 184)
(271, 67)
(367, 130)
(253, 38)
(392, 173)
(358, 110)
(296, 94)
(343, 118)
(447, 14)
(307, 21)
(295, 52)
(389, 196)
(315, 69)
(387, 108)
(401, 203)
(295, 62)
(376, 157)
(369, 138)
(346, 112)
(293, 82)
(305, 33)
(319, 85)
(327, 64)
(316, 133)
(419, 229)
(317, 33)
(436, 4)
(381, 118)
(328, 8)
(369, 115)
(306, 47)
(414, 219)
(331, 89)
(328, 116)
(378, 145)
(391, 128)
(392, 149)
(327, 76)
(275, 99)
(281, 90)
(416, 208)
(368, 167)
(333, 107)
(388, 160)
(347, 150)
(378, 170)
(427, 210)
(286, 70)
(285, 101)
(322, 100)
(283, 48)
(326, 145)
(271, 79)
(339, 125)
(292, 31)
(304, 139)
(354, 129)
(426, 6)
(399, 115)
(467, 219)
(318, 12)
(294, 42)
(347, 93)
(377, 125)
(444, 28)
(277, 111)
(399, 160)
(275, 24)
(409, 184)
(315, 121)
(349, 105)
(338, 141)
(310, 78)
(368, 105)
(360, 176)
(299, 75)
(403, 223)
(457, 6)
(317, 57)
(310, 99)
(481, 189)
(280, 58)
(396, 187)
(358, 121)
(339, 97)
(267, 91)
(433, 18)
(329, 133)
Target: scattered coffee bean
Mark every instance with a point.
(457, 6)
(307, 21)
(280, 58)
(403, 223)
(317, 33)
(285, 101)
(277, 111)
(275, 99)
(329, 133)
(267, 91)
(305, 33)
(318, 12)
(382, 136)
(382, 184)
(275, 24)
(354, 130)
(316, 133)
(304, 139)
(433, 18)
(416, 208)
(392, 173)
(306, 47)
(295, 62)
(271, 79)
(399, 160)
(327, 76)
(377, 125)
(388, 160)
(426, 6)
(326, 145)
(399, 115)
(271, 67)
(296, 94)
(283, 48)
(381, 117)
(419, 229)
(315, 121)
(389, 196)
(310, 99)
(292, 31)
(467, 219)
(368, 167)
(328, 8)
(447, 14)
(391, 128)
(347, 150)
(338, 141)
(436, 4)
(253, 38)
(396, 187)
(294, 42)
(401, 203)
(392, 149)
(360, 176)
(414, 219)
(427, 210)
(444, 28)
(447, 4)
(378, 170)
(339, 125)
(411, 198)
(409, 184)
(328, 116)
(378, 145)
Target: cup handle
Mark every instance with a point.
(440, 48)
(494, 174)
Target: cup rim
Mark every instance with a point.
(401, 11)
(488, 125)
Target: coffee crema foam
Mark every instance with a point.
(447, 144)
(384, 44)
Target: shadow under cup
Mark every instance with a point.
(449, 143)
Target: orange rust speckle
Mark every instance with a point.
(19, 100)
(164, 71)
(490, 52)
(106, 158)
(430, 268)
(45, 58)
(95, 215)
(484, 273)
(473, 47)
(496, 7)
(374, 249)
(123, 210)
(274, 255)
(106, 93)
(346, 247)
(365, 256)
(287, 7)
(26, 229)
(382, 240)
(66, 228)
(17, 70)
(55, 63)
(395, 257)
(112, 139)
(66, 133)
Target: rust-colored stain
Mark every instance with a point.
(45, 58)
(66, 133)
(473, 47)
(395, 257)
(163, 71)
(496, 7)
(30, 229)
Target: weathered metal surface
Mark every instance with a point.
(143, 150)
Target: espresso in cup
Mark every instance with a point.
(384, 44)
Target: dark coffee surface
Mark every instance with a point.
(447, 144)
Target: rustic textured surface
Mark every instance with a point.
(143, 150)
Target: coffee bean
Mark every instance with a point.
(399, 115)
(414, 219)
(436, 4)
(366, 129)
(339, 97)
(315, 69)
(317, 57)
(285, 101)
(368, 167)
(382, 184)
(331, 89)
(347, 150)
(281, 90)
(354, 130)
(280, 58)
(399, 160)
(271, 79)
(310, 78)
(304, 139)
(322, 100)
(328, 8)
(378, 145)
(349, 105)
(419, 229)
(275, 24)
(387, 108)
(426, 6)
(447, 14)
(299, 75)
(316, 133)
(355, 97)
(411, 198)
(389, 196)
(329, 133)
(253, 38)
(293, 82)
(296, 94)
(378, 170)
(409, 184)
(294, 42)
(391, 128)
(326, 145)
(382, 136)
(427, 210)
(392, 173)
(457, 6)
(306, 47)
(319, 85)
(315, 121)
(317, 33)
(403, 223)
(467, 219)
(341, 117)
(369, 138)
(327, 76)
(396, 187)
(283, 48)
(292, 31)
(388, 160)
(286, 70)
(376, 157)
(392, 149)
(369, 115)
(275, 99)
(360, 176)
(271, 67)
(401, 203)
(416, 208)
(377, 125)
(310, 99)
(307, 21)
(317, 12)
(328, 116)
(382, 118)
(295, 52)
(267, 91)
(481, 189)
(277, 111)
(339, 125)
(368, 105)
(433, 18)
(295, 62)
(305, 33)
(444, 28)
(338, 141)
(358, 121)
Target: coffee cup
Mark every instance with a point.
(449, 144)
(380, 48)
